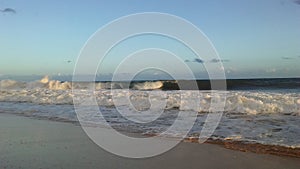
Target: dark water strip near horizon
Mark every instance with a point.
(231, 84)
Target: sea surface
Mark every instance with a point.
(265, 111)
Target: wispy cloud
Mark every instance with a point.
(196, 60)
(297, 2)
(286, 58)
(219, 60)
(8, 10)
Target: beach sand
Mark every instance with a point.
(33, 144)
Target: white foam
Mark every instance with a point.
(148, 85)
(273, 129)
(48, 91)
(265, 117)
(11, 84)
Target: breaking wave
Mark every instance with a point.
(48, 91)
(264, 116)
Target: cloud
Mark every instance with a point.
(8, 10)
(286, 58)
(297, 2)
(219, 60)
(196, 60)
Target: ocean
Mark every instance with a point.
(265, 111)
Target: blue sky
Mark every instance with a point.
(256, 38)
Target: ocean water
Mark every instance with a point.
(258, 110)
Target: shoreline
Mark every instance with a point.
(236, 145)
(253, 147)
(32, 143)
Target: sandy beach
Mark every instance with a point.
(31, 143)
(156, 84)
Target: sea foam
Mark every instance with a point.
(48, 91)
(268, 117)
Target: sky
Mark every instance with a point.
(254, 38)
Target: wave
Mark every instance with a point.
(268, 117)
(46, 91)
(268, 129)
(46, 83)
(231, 84)
(148, 85)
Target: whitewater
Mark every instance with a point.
(264, 116)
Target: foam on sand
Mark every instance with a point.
(261, 116)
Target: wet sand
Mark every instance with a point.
(252, 147)
(31, 143)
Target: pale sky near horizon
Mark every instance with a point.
(255, 38)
